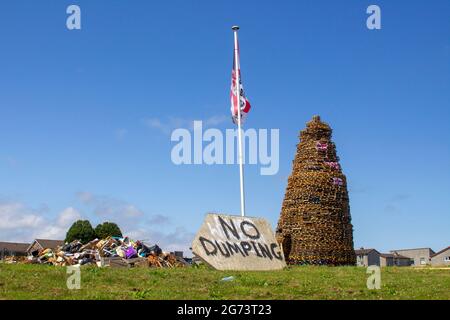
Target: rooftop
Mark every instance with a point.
(47, 243)
(14, 246)
(443, 250)
(393, 255)
(412, 249)
(363, 251)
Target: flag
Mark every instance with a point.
(245, 104)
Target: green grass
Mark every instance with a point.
(307, 282)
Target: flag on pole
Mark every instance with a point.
(245, 104)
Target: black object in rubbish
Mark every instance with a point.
(72, 247)
(155, 250)
(144, 250)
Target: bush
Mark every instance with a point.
(80, 230)
(107, 229)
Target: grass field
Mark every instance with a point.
(306, 282)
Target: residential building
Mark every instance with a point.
(392, 259)
(367, 257)
(441, 258)
(39, 244)
(177, 254)
(13, 249)
(418, 256)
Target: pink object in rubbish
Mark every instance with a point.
(338, 181)
(333, 165)
(321, 146)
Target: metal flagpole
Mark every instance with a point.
(238, 89)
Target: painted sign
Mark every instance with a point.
(238, 243)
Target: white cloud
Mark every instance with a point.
(168, 126)
(216, 120)
(23, 224)
(15, 215)
(85, 197)
(158, 219)
(58, 228)
(131, 211)
(109, 207)
(155, 123)
(68, 216)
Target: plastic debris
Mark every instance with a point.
(226, 279)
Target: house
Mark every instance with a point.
(441, 258)
(418, 256)
(393, 259)
(13, 249)
(40, 244)
(367, 257)
(177, 253)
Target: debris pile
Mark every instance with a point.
(315, 224)
(112, 252)
(13, 259)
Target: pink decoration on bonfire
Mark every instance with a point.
(321, 146)
(333, 165)
(338, 181)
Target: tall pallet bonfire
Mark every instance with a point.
(315, 223)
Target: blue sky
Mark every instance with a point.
(75, 108)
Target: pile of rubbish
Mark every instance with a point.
(14, 259)
(112, 252)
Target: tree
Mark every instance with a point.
(107, 229)
(80, 230)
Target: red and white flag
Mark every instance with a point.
(245, 104)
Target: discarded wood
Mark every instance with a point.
(115, 262)
(135, 262)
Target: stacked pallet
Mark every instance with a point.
(315, 224)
